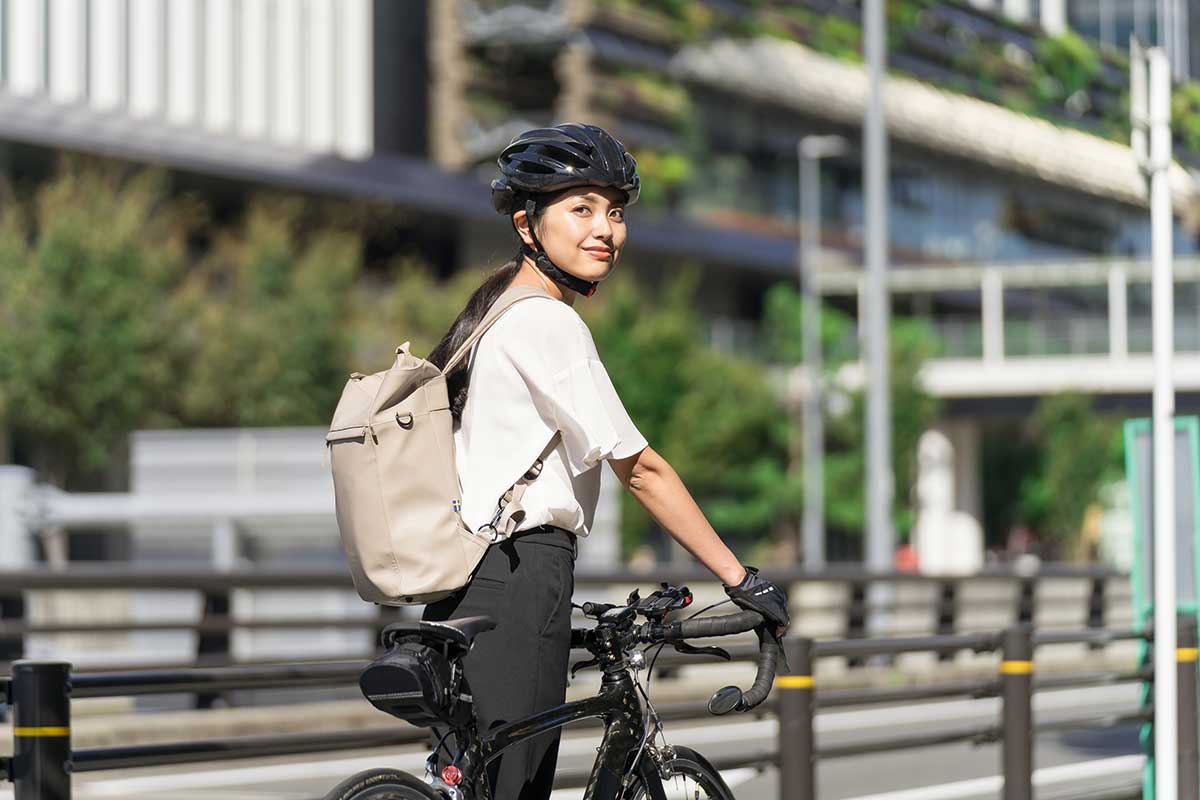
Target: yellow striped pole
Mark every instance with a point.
(41, 730)
(1016, 681)
(1188, 763)
(794, 701)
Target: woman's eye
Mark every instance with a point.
(618, 214)
(582, 208)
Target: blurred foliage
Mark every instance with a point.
(1076, 451)
(1185, 114)
(88, 344)
(127, 306)
(913, 411)
(1065, 65)
(265, 314)
(712, 415)
(1065, 78)
(663, 175)
(412, 304)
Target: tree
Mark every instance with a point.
(88, 265)
(266, 321)
(713, 415)
(913, 410)
(1076, 452)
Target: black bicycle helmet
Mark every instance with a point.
(551, 159)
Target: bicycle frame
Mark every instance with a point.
(620, 708)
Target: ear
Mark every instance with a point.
(521, 223)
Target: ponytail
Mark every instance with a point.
(467, 321)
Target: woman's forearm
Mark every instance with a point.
(659, 489)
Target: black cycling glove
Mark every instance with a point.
(761, 595)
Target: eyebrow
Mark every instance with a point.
(598, 197)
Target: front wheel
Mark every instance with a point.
(689, 776)
(383, 784)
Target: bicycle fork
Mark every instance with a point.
(624, 729)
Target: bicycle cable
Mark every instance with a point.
(648, 732)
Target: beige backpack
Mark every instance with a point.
(396, 483)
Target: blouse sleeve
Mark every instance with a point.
(593, 421)
(553, 351)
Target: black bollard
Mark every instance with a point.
(794, 704)
(1185, 670)
(41, 764)
(1016, 681)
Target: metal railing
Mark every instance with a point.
(40, 693)
(946, 605)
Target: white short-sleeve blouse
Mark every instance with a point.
(534, 372)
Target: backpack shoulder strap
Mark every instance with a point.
(509, 511)
(504, 302)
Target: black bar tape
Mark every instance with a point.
(768, 660)
(713, 626)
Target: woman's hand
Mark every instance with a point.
(759, 594)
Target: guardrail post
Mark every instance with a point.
(213, 646)
(795, 705)
(947, 613)
(1097, 603)
(41, 764)
(857, 612)
(1016, 686)
(1027, 601)
(12, 609)
(1189, 751)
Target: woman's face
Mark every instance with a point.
(582, 230)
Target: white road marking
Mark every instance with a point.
(1047, 776)
(733, 778)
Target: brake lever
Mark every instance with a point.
(692, 650)
(578, 665)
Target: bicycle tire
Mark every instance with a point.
(383, 784)
(685, 773)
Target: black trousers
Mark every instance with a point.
(520, 668)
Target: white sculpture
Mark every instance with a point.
(948, 542)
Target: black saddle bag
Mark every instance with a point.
(416, 683)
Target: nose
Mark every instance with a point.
(602, 228)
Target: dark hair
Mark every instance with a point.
(469, 318)
(462, 327)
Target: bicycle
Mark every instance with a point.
(420, 679)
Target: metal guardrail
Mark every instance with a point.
(40, 693)
(946, 607)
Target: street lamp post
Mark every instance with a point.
(1150, 106)
(881, 537)
(810, 150)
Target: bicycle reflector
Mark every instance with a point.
(451, 775)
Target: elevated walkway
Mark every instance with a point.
(1036, 328)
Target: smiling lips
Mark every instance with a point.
(599, 252)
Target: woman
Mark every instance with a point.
(534, 373)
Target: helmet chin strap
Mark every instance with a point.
(548, 267)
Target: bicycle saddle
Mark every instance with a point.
(460, 631)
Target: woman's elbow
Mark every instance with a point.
(638, 471)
